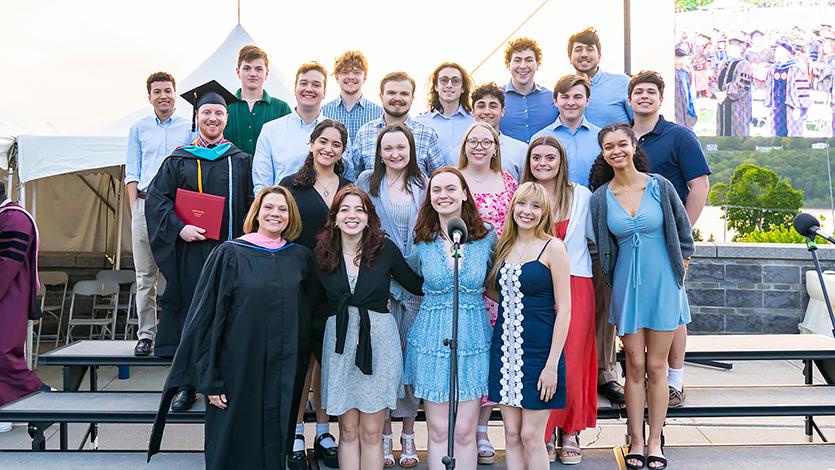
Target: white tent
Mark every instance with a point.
(73, 183)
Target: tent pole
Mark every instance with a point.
(119, 219)
(627, 37)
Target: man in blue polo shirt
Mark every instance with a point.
(674, 152)
(607, 101)
(572, 128)
(528, 107)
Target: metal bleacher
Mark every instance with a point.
(83, 358)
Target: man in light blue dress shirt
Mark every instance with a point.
(150, 141)
(350, 107)
(449, 105)
(572, 128)
(397, 92)
(284, 143)
(608, 103)
(488, 106)
(529, 107)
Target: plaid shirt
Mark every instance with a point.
(362, 112)
(429, 156)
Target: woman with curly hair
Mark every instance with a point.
(427, 357)
(644, 239)
(361, 360)
(314, 187)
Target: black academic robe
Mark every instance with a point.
(180, 261)
(242, 339)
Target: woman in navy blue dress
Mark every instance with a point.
(527, 367)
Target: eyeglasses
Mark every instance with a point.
(445, 80)
(486, 144)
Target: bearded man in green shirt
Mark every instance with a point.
(255, 107)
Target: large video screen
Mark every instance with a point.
(756, 67)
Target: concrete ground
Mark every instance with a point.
(600, 440)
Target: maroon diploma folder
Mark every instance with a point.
(201, 210)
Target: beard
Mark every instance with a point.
(395, 113)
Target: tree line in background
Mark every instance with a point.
(762, 183)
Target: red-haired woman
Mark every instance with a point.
(427, 358)
(361, 359)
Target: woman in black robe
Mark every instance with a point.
(314, 187)
(241, 346)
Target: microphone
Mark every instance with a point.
(808, 226)
(456, 230)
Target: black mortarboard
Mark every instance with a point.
(210, 92)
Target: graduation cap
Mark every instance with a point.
(756, 32)
(208, 93)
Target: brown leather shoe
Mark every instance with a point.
(676, 397)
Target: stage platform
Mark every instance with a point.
(715, 457)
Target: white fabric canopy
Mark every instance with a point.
(45, 156)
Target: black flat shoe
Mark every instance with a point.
(657, 460)
(297, 460)
(642, 461)
(328, 455)
(143, 347)
(613, 391)
(183, 400)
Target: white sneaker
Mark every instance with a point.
(5, 427)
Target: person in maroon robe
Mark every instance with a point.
(18, 286)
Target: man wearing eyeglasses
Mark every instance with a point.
(529, 107)
(397, 92)
(449, 105)
(572, 129)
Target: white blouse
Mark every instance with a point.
(579, 232)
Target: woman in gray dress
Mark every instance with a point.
(396, 187)
(362, 363)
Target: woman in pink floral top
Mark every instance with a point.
(492, 190)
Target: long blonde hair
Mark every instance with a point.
(544, 230)
(561, 200)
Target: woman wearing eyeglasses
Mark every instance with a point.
(450, 111)
(492, 189)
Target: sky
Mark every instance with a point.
(82, 64)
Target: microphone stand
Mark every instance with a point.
(449, 459)
(812, 247)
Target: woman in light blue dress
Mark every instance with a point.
(427, 361)
(396, 187)
(644, 238)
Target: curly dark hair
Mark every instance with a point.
(601, 173)
(428, 224)
(306, 175)
(329, 240)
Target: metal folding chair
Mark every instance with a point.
(60, 280)
(94, 289)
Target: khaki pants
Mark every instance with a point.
(606, 334)
(147, 273)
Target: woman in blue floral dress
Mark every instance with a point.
(427, 360)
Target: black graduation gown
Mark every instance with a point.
(242, 339)
(180, 261)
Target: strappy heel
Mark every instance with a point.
(388, 451)
(408, 452)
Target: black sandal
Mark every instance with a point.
(328, 455)
(654, 459)
(639, 457)
(297, 460)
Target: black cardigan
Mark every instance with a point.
(371, 292)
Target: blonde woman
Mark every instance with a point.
(527, 366)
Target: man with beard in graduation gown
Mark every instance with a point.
(210, 165)
(242, 343)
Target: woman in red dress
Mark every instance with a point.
(547, 165)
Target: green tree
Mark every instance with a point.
(756, 199)
(690, 5)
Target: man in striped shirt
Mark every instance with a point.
(350, 107)
(397, 92)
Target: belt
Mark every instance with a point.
(141, 194)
